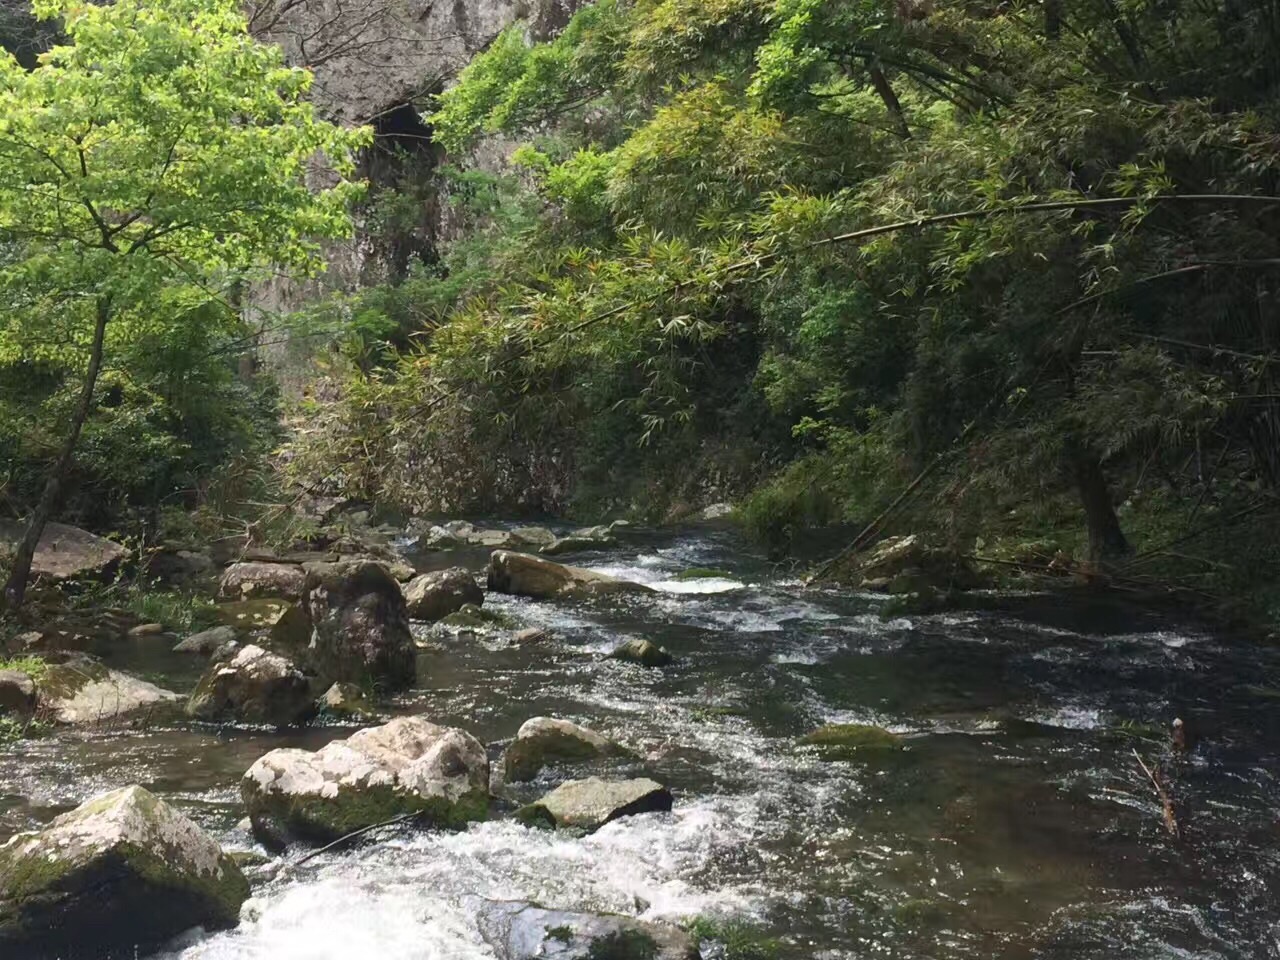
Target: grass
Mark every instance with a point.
(33, 667)
(176, 611)
(741, 940)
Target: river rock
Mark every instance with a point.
(178, 565)
(253, 580)
(529, 576)
(525, 931)
(346, 701)
(433, 596)
(359, 625)
(591, 803)
(249, 615)
(83, 690)
(254, 686)
(65, 552)
(644, 652)
(17, 694)
(122, 872)
(206, 642)
(543, 740)
(907, 564)
(408, 766)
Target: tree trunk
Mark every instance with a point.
(1106, 540)
(15, 589)
(891, 102)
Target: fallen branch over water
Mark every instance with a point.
(1162, 794)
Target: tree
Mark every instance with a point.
(153, 162)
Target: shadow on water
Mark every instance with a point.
(1014, 822)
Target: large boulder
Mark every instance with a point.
(83, 690)
(543, 740)
(359, 625)
(591, 803)
(253, 580)
(537, 577)
(17, 694)
(525, 931)
(121, 873)
(254, 686)
(66, 553)
(408, 767)
(433, 596)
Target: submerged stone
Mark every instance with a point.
(409, 766)
(473, 617)
(122, 872)
(346, 701)
(591, 803)
(207, 641)
(525, 931)
(644, 652)
(837, 741)
(543, 741)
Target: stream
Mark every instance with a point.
(1015, 823)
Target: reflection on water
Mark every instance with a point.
(1015, 823)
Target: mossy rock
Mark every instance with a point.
(544, 741)
(704, 573)
(840, 741)
(121, 871)
(472, 617)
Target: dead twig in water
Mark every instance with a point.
(1166, 801)
(353, 835)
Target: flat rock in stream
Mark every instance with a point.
(591, 803)
(83, 690)
(121, 873)
(646, 653)
(525, 931)
(543, 741)
(529, 576)
(207, 642)
(65, 552)
(409, 766)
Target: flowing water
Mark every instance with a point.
(1015, 823)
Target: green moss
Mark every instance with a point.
(623, 945)
(537, 816)
(562, 933)
(33, 667)
(838, 741)
(704, 573)
(740, 940)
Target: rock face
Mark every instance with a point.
(254, 686)
(82, 690)
(120, 872)
(542, 741)
(525, 931)
(253, 580)
(65, 552)
(644, 652)
(433, 596)
(206, 642)
(530, 576)
(590, 804)
(17, 694)
(359, 625)
(408, 766)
